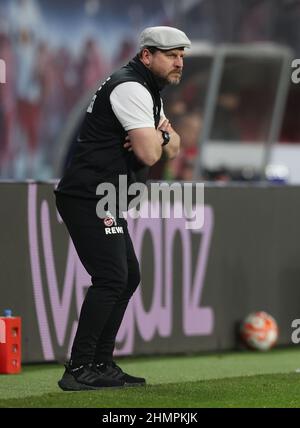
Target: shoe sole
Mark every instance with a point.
(70, 384)
(83, 387)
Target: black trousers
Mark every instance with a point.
(111, 261)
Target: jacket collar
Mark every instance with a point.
(149, 78)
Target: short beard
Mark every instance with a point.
(169, 80)
(164, 81)
(174, 82)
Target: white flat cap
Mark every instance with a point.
(164, 38)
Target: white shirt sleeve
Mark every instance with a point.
(162, 113)
(133, 105)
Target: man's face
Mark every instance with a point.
(166, 65)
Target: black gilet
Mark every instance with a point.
(99, 155)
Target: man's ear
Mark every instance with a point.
(146, 56)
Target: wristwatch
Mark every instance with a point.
(166, 137)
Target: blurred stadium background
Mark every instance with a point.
(237, 111)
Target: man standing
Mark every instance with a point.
(124, 132)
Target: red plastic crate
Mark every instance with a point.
(10, 345)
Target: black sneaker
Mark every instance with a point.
(87, 377)
(112, 370)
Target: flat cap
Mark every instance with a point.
(164, 38)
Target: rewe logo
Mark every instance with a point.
(111, 224)
(60, 283)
